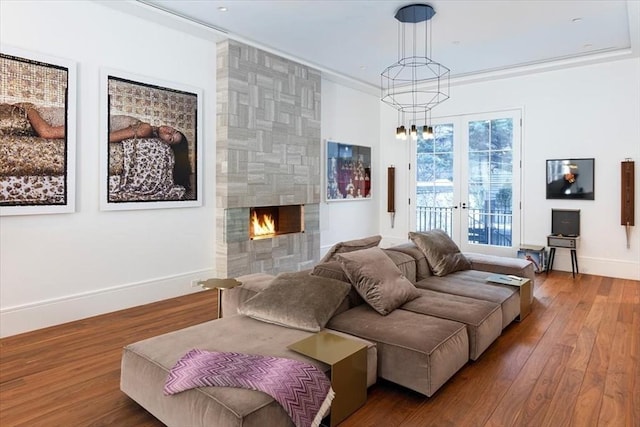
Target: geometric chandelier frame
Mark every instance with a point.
(415, 83)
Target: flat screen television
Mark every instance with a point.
(565, 222)
(570, 179)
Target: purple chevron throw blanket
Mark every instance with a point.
(302, 389)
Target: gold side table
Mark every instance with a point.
(219, 284)
(348, 361)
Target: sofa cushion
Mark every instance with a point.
(251, 285)
(422, 266)
(415, 350)
(483, 318)
(297, 301)
(442, 253)
(350, 246)
(406, 263)
(473, 284)
(377, 279)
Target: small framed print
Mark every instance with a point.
(37, 133)
(348, 169)
(151, 143)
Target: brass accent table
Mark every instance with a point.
(348, 361)
(524, 289)
(219, 284)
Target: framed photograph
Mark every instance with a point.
(37, 133)
(348, 172)
(151, 143)
(570, 179)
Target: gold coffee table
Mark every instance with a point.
(348, 361)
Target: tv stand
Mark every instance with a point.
(568, 242)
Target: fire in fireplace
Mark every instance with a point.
(270, 221)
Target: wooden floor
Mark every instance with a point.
(573, 362)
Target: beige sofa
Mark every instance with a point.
(446, 321)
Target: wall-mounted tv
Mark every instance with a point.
(570, 179)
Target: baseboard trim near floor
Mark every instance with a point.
(41, 314)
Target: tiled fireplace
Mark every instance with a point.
(268, 158)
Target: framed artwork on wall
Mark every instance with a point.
(570, 179)
(348, 169)
(37, 133)
(151, 143)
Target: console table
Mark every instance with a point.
(566, 242)
(348, 361)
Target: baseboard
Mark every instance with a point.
(41, 314)
(598, 266)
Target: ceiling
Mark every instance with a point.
(357, 39)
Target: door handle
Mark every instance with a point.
(463, 205)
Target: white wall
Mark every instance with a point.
(57, 268)
(350, 116)
(586, 111)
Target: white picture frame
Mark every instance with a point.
(44, 183)
(158, 103)
(347, 172)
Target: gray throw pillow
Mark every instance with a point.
(377, 279)
(442, 253)
(350, 246)
(298, 301)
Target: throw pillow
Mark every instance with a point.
(297, 301)
(377, 279)
(442, 253)
(350, 246)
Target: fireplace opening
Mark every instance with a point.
(270, 221)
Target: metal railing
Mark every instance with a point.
(484, 227)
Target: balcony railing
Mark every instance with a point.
(483, 227)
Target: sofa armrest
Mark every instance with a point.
(502, 265)
(251, 285)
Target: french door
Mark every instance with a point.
(466, 181)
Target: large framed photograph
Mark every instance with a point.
(151, 143)
(348, 172)
(37, 133)
(570, 179)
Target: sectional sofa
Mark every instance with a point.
(423, 309)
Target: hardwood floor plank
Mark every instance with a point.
(574, 361)
(589, 402)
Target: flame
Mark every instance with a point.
(263, 226)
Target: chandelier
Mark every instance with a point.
(415, 83)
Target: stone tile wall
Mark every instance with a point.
(267, 153)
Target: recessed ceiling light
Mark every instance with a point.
(576, 20)
(222, 9)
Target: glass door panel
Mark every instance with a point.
(467, 181)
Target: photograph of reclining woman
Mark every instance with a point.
(152, 143)
(37, 154)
